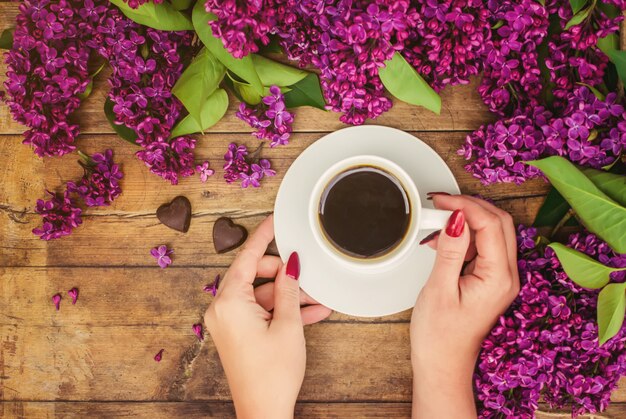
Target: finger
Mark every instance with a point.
(471, 250)
(264, 295)
(491, 245)
(508, 227)
(244, 268)
(313, 314)
(287, 295)
(268, 266)
(452, 245)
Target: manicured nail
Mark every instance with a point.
(293, 266)
(430, 237)
(431, 194)
(456, 224)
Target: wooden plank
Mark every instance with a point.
(117, 297)
(100, 363)
(462, 108)
(24, 177)
(125, 240)
(222, 410)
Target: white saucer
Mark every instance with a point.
(332, 284)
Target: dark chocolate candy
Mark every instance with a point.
(227, 235)
(176, 214)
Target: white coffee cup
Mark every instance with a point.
(421, 218)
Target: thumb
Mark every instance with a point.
(452, 246)
(287, 293)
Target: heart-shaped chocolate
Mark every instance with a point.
(227, 235)
(176, 214)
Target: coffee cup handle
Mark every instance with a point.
(434, 219)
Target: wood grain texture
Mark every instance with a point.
(132, 218)
(218, 410)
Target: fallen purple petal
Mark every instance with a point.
(56, 299)
(73, 293)
(197, 330)
(159, 355)
(212, 288)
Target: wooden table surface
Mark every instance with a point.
(95, 359)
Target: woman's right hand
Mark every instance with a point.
(458, 306)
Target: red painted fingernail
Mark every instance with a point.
(456, 224)
(431, 194)
(430, 237)
(293, 266)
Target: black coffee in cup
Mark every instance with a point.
(364, 212)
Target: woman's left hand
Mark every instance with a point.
(258, 332)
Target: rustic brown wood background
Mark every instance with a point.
(94, 359)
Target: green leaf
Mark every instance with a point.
(307, 92)
(577, 5)
(599, 213)
(402, 81)
(542, 2)
(619, 59)
(198, 82)
(213, 110)
(274, 73)
(579, 17)
(612, 184)
(181, 4)
(583, 270)
(87, 92)
(162, 16)
(243, 67)
(6, 39)
(552, 211)
(498, 24)
(272, 47)
(246, 92)
(122, 130)
(608, 43)
(611, 310)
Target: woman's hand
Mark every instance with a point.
(258, 332)
(458, 306)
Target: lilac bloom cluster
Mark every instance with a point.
(347, 40)
(146, 64)
(448, 42)
(47, 69)
(239, 166)
(270, 118)
(99, 186)
(60, 216)
(573, 55)
(512, 78)
(589, 132)
(546, 345)
(47, 72)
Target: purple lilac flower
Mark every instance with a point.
(159, 355)
(136, 3)
(204, 171)
(73, 293)
(263, 168)
(270, 118)
(499, 149)
(100, 183)
(47, 70)
(212, 288)
(197, 330)
(56, 300)
(546, 344)
(238, 167)
(60, 216)
(162, 255)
